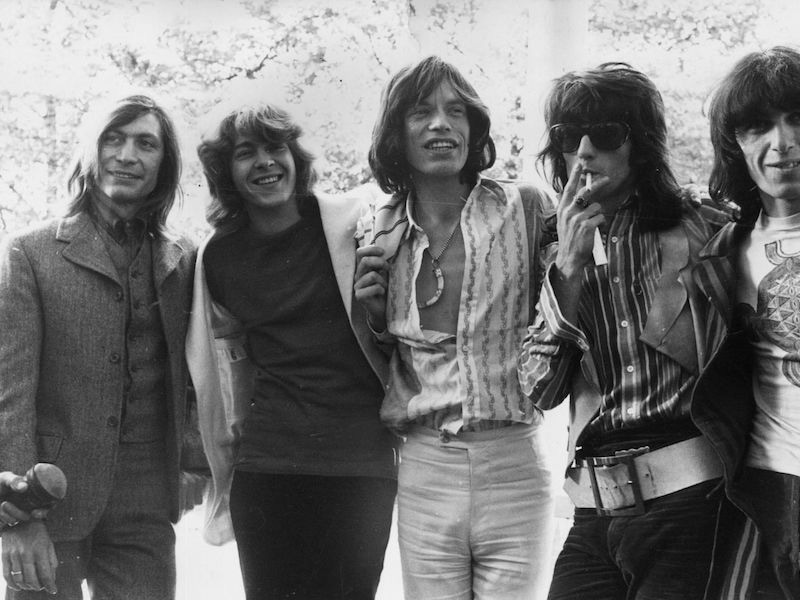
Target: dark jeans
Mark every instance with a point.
(664, 554)
(775, 499)
(311, 537)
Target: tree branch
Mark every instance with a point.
(10, 185)
(249, 73)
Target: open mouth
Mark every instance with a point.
(785, 164)
(122, 175)
(440, 145)
(267, 179)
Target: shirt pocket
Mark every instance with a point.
(48, 447)
(237, 378)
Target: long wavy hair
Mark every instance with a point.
(769, 79)
(84, 173)
(262, 121)
(617, 92)
(407, 88)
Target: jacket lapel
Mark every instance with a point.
(338, 222)
(669, 328)
(173, 303)
(339, 215)
(85, 247)
(715, 278)
(167, 254)
(715, 273)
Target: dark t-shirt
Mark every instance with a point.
(315, 408)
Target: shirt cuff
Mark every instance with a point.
(383, 337)
(559, 326)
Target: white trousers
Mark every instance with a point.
(475, 515)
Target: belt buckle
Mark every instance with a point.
(625, 457)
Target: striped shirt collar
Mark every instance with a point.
(484, 188)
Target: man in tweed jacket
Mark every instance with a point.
(94, 309)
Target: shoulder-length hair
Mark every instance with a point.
(617, 92)
(262, 121)
(408, 87)
(769, 79)
(84, 174)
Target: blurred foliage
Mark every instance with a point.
(684, 45)
(326, 62)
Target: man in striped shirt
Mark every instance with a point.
(451, 273)
(617, 330)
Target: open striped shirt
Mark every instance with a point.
(640, 387)
(472, 375)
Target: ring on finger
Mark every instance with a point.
(581, 202)
(15, 573)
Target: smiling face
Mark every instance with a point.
(264, 175)
(771, 149)
(612, 175)
(436, 134)
(129, 159)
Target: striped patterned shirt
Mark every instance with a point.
(470, 376)
(640, 387)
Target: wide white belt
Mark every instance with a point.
(618, 485)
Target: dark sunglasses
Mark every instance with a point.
(566, 137)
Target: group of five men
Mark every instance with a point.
(452, 309)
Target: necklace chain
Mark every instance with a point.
(438, 257)
(436, 268)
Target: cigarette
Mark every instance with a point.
(588, 180)
(598, 251)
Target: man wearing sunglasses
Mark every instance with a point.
(621, 330)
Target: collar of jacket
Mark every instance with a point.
(87, 249)
(727, 241)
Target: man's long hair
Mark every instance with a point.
(408, 87)
(769, 79)
(617, 92)
(85, 171)
(265, 122)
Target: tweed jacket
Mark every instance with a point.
(222, 374)
(62, 336)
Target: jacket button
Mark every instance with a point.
(114, 358)
(112, 422)
(119, 296)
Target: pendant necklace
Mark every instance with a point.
(437, 269)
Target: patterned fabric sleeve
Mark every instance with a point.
(550, 351)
